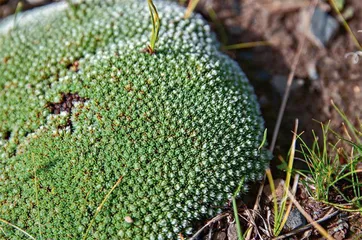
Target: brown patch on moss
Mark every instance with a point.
(74, 67)
(148, 50)
(6, 59)
(71, 66)
(66, 104)
(6, 135)
(128, 87)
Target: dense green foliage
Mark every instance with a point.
(81, 105)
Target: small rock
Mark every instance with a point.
(323, 26)
(295, 220)
(279, 188)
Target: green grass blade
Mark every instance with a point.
(235, 209)
(237, 221)
(264, 139)
(279, 224)
(156, 23)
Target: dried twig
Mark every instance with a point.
(17, 228)
(215, 219)
(345, 24)
(190, 8)
(282, 109)
(99, 208)
(315, 224)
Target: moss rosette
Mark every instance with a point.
(81, 105)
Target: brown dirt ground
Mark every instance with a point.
(281, 22)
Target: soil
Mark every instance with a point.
(8, 7)
(323, 74)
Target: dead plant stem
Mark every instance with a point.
(282, 110)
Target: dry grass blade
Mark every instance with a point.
(287, 89)
(328, 216)
(272, 189)
(3, 231)
(345, 24)
(99, 208)
(217, 218)
(282, 215)
(343, 207)
(289, 208)
(317, 226)
(17, 228)
(246, 45)
(190, 8)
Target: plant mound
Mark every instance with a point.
(99, 139)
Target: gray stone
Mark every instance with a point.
(295, 220)
(323, 26)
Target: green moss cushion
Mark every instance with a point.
(81, 106)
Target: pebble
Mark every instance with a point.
(295, 220)
(323, 26)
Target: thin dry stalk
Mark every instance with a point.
(280, 225)
(246, 45)
(219, 27)
(289, 208)
(345, 24)
(217, 218)
(99, 208)
(328, 216)
(17, 228)
(282, 110)
(3, 231)
(190, 8)
(251, 220)
(316, 225)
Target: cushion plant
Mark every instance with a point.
(100, 140)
